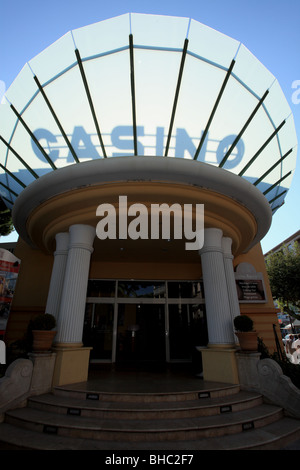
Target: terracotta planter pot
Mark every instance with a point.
(248, 340)
(42, 340)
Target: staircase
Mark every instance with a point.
(211, 418)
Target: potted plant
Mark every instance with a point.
(42, 327)
(247, 336)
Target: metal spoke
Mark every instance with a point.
(214, 109)
(225, 158)
(133, 93)
(184, 51)
(33, 137)
(89, 97)
(56, 119)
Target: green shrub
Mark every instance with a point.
(45, 321)
(243, 323)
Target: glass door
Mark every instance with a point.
(98, 330)
(187, 329)
(141, 333)
(131, 320)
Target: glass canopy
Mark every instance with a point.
(147, 85)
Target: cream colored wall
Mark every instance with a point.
(263, 315)
(34, 276)
(256, 258)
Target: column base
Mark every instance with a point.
(71, 366)
(219, 364)
(67, 345)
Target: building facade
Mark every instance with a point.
(143, 159)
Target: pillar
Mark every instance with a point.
(230, 279)
(219, 362)
(220, 331)
(58, 274)
(73, 300)
(72, 359)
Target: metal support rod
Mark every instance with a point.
(12, 176)
(91, 104)
(8, 200)
(277, 182)
(133, 93)
(8, 189)
(243, 129)
(261, 149)
(184, 51)
(278, 196)
(56, 119)
(33, 137)
(272, 168)
(214, 109)
(19, 158)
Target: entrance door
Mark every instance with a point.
(141, 333)
(98, 330)
(158, 321)
(187, 329)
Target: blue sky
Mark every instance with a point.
(268, 28)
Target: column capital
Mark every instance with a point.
(226, 245)
(82, 236)
(62, 243)
(212, 240)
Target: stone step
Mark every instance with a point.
(135, 430)
(145, 410)
(206, 417)
(95, 395)
(274, 436)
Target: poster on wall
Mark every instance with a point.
(9, 270)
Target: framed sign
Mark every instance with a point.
(250, 290)
(249, 284)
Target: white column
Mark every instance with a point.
(230, 278)
(72, 308)
(219, 324)
(58, 274)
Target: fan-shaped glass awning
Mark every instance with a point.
(147, 85)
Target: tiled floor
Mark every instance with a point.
(145, 380)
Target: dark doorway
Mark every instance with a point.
(141, 334)
(98, 330)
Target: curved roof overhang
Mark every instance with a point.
(142, 85)
(53, 202)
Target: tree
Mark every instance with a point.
(6, 225)
(283, 269)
